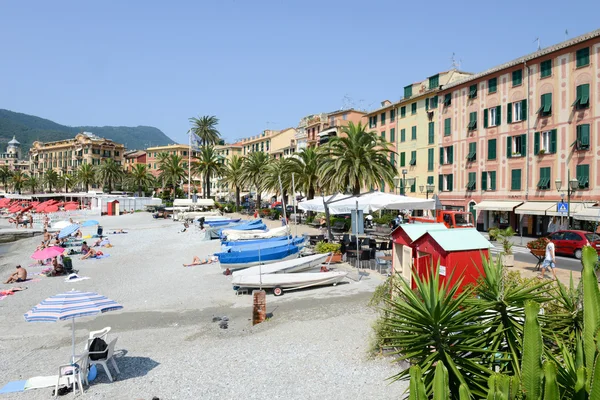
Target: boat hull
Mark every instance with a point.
(241, 266)
(295, 265)
(288, 281)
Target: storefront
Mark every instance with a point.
(496, 214)
(540, 218)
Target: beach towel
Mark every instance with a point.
(12, 387)
(102, 256)
(75, 278)
(39, 382)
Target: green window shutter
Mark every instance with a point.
(430, 180)
(583, 136)
(392, 115)
(430, 159)
(427, 103)
(450, 182)
(431, 132)
(407, 91)
(393, 135)
(441, 156)
(491, 149)
(524, 145)
(434, 82)
(403, 135)
(484, 181)
(536, 143)
(585, 94)
(383, 135)
(509, 147)
(473, 91)
(402, 159)
(413, 158)
(485, 118)
(492, 85)
(450, 154)
(448, 99)
(524, 110)
(583, 57)
(515, 183)
(441, 183)
(553, 141)
(546, 68)
(447, 126)
(392, 161)
(547, 104)
(498, 115)
(517, 77)
(434, 102)
(509, 113)
(413, 108)
(382, 118)
(414, 133)
(577, 96)
(402, 111)
(583, 175)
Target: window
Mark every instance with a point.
(413, 158)
(516, 146)
(431, 133)
(583, 137)
(383, 135)
(434, 82)
(382, 118)
(447, 126)
(372, 124)
(544, 182)
(413, 108)
(448, 99)
(430, 159)
(402, 111)
(583, 57)
(545, 68)
(393, 135)
(492, 116)
(472, 156)
(491, 154)
(583, 176)
(392, 115)
(407, 91)
(472, 121)
(433, 103)
(516, 111)
(488, 180)
(413, 135)
(445, 183)
(473, 91)
(472, 182)
(331, 121)
(392, 159)
(515, 179)
(446, 155)
(544, 142)
(403, 135)
(517, 77)
(582, 99)
(545, 105)
(402, 159)
(493, 85)
(85, 151)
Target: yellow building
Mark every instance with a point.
(65, 156)
(218, 187)
(283, 144)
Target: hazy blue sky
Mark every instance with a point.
(253, 64)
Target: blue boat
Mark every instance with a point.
(241, 246)
(255, 241)
(256, 224)
(233, 260)
(222, 222)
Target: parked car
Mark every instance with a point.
(570, 242)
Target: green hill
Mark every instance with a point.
(28, 128)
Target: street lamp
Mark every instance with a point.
(426, 189)
(573, 184)
(403, 183)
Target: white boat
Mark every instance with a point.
(235, 235)
(280, 282)
(295, 265)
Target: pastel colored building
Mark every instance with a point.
(219, 188)
(181, 150)
(132, 158)
(12, 157)
(509, 133)
(317, 129)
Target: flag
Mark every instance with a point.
(195, 141)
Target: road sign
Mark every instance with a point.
(562, 207)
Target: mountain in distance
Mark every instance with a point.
(28, 128)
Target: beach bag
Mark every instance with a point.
(98, 345)
(68, 264)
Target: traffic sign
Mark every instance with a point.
(562, 207)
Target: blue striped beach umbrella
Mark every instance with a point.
(71, 305)
(67, 230)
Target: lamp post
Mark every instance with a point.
(426, 189)
(404, 183)
(572, 185)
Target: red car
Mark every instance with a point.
(571, 242)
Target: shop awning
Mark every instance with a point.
(588, 214)
(575, 208)
(497, 205)
(535, 207)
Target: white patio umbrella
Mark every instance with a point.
(367, 203)
(316, 204)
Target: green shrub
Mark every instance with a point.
(324, 247)
(385, 219)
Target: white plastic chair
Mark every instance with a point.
(71, 373)
(102, 333)
(379, 261)
(104, 361)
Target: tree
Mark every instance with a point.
(109, 172)
(86, 175)
(356, 159)
(206, 129)
(67, 181)
(140, 177)
(232, 175)
(162, 158)
(208, 163)
(279, 169)
(17, 180)
(255, 169)
(32, 183)
(5, 174)
(171, 170)
(50, 179)
(305, 166)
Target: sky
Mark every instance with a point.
(256, 65)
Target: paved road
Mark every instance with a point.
(523, 255)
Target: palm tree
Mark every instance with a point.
(32, 183)
(357, 159)
(255, 169)
(67, 181)
(208, 163)
(5, 174)
(279, 169)
(140, 177)
(162, 158)
(206, 129)
(86, 175)
(17, 180)
(232, 175)
(171, 170)
(50, 179)
(305, 166)
(109, 172)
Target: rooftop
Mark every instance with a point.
(460, 239)
(415, 231)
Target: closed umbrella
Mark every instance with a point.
(48, 252)
(51, 208)
(90, 222)
(71, 305)
(71, 207)
(68, 230)
(61, 224)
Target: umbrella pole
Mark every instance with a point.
(73, 340)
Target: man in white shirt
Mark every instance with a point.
(549, 260)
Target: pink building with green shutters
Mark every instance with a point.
(509, 133)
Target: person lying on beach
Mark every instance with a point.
(78, 234)
(198, 261)
(118, 231)
(84, 248)
(91, 253)
(19, 276)
(103, 243)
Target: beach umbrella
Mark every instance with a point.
(67, 230)
(61, 224)
(48, 252)
(71, 305)
(51, 208)
(71, 207)
(90, 222)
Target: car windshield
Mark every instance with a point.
(592, 237)
(463, 219)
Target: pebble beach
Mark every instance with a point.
(314, 345)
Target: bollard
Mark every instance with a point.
(259, 306)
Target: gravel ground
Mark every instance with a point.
(313, 346)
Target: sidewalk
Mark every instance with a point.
(516, 240)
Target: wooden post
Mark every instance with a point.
(259, 307)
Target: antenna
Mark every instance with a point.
(537, 39)
(347, 102)
(455, 63)
(566, 34)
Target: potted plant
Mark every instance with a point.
(542, 152)
(333, 248)
(507, 257)
(493, 232)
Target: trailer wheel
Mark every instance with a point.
(278, 291)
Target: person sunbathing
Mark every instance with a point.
(84, 248)
(57, 268)
(19, 276)
(198, 261)
(92, 253)
(103, 243)
(78, 234)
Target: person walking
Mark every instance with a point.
(549, 260)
